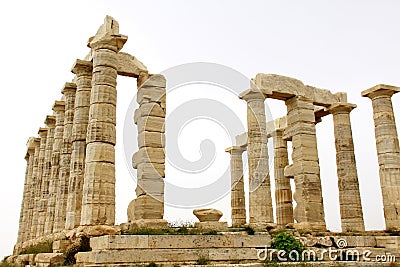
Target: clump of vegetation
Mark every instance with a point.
(43, 247)
(183, 230)
(286, 241)
(203, 260)
(82, 244)
(249, 230)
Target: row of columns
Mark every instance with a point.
(70, 176)
(300, 130)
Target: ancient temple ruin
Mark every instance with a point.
(69, 188)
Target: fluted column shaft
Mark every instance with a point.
(309, 211)
(260, 210)
(38, 187)
(349, 191)
(23, 219)
(29, 234)
(98, 204)
(69, 92)
(83, 71)
(59, 111)
(50, 123)
(238, 204)
(387, 146)
(283, 191)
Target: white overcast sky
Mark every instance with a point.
(339, 45)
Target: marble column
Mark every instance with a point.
(59, 111)
(238, 204)
(29, 234)
(51, 124)
(260, 200)
(150, 159)
(283, 191)
(83, 71)
(38, 188)
(387, 146)
(23, 218)
(309, 212)
(98, 204)
(349, 191)
(69, 92)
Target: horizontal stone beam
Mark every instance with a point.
(282, 88)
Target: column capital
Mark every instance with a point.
(251, 95)
(82, 67)
(43, 132)
(338, 108)
(236, 149)
(59, 106)
(114, 42)
(68, 87)
(380, 90)
(30, 147)
(50, 121)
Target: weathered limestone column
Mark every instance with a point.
(51, 124)
(150, 159)
(29, 234)
(38, 188)
(387, 146)
(238, 204)
(98, 206)
(59, 111)
(260, 191)
(283, 191)
(23, 218)
(83, 71)
(69, 92)
(309, 212)
(349, 191)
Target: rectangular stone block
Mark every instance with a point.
(151, 124)
(151, 139)
(100, 152)
(148, 94)
(150, 170)
(148, 155)
(149, 109)
(150, 186)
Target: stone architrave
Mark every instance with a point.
(150, 159)
(23, 218)
(28, 234)
(309, 212)
(60, 214)
(349, 192)
(38, 188)
(238, 204)
(98, 204)
(51, 124)
(59, 112)
(83, 70)
(387, 146)
(283, 191)
(260, 208)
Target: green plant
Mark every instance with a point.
(286, 241)
(43, 247)
(211, 232)
(203, 260)
(249, 230)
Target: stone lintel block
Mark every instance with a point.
(279, 87)
(151, 139)
(100, 152)
(149, 109)
(380, 89)
(148, 155)
(129, 65)
(68, 88)
(59, 106)
(151, 124)
(219, 226)
(150, 170)
(150, 94)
